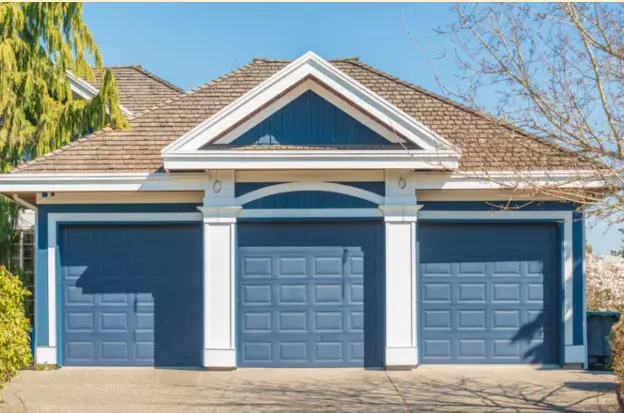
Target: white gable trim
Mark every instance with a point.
(308, 66)
(87, 91)
(293, 94)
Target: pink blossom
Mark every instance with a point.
(605, 283)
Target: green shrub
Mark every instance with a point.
(14, 327)
(616, 338)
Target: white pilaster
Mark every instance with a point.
(219, 222)
(400, 215)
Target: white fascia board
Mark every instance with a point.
(504, 179)
(104, 182)
(309, 65)
(87, 91)
(309, 159)
(111, 182)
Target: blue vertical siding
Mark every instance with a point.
(310, 199)
(41, 276)
(310, 120)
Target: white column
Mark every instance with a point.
(401, 285)
(219, 287)
(400, 215)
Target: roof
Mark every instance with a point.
(485, 145)
(138, 88)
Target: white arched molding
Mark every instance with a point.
(310, 186)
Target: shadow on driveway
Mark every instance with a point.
(304, 390)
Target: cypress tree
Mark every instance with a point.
(39, 44)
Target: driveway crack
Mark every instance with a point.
(220, 399)
(396, 389)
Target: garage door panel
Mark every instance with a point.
(502, 309)
(131, 295)
(308, 306)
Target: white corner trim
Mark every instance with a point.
(309, 186)
(311, 213)
(309, 65)
(46, 355)
(568, 262)
(87, 91)
(54, 219)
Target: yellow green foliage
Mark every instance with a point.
(15, 351)
(39, 43)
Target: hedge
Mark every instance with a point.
(15, 351)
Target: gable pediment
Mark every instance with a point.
(310, 120)
(310, 104)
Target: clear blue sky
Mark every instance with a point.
(191, 43)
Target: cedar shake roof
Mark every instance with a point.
(139, 89)
(485, 145)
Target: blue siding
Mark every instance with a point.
(310, 120)
(311, 294)
(310, 199)
(131, 295)
(490, 293)
(41, 276)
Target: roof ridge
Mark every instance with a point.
(154, 108)
(269, 60)
(158, 78)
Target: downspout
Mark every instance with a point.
(23, 203)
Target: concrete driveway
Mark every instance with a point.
(426, 389)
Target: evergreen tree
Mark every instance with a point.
(39, 43)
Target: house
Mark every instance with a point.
(304, 213)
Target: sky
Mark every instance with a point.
(190, 44)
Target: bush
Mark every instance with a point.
(14, 327)
(605, 283)
(616, 339)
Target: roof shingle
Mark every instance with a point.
(485, 145)
(139, 89)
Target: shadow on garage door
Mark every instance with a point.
(131, 295)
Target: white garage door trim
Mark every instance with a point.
(573, 353)
(49, 354)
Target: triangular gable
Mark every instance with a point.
(310, 120)
(198, 148)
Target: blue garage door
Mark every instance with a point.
(489, 293)
(311, 295)
(131, 295)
